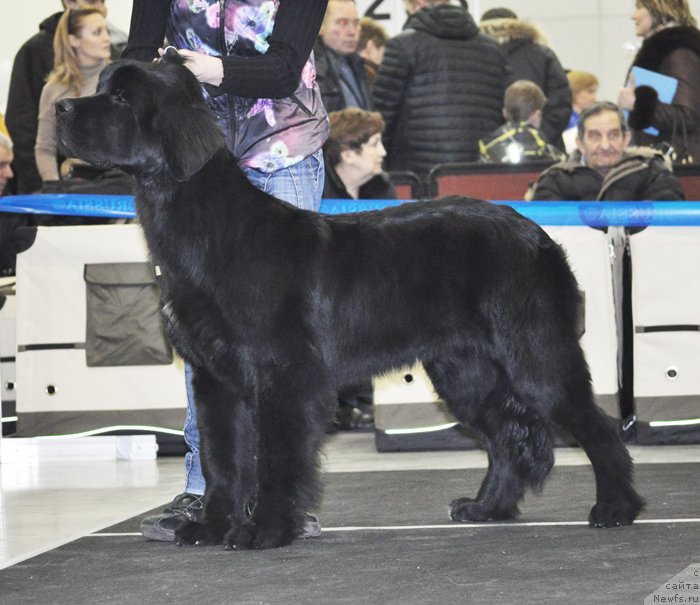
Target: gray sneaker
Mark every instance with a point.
(185, 507)
(188, 507)
(312, 526)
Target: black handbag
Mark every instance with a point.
(88, 179)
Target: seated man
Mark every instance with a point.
(9, 222)
(5, 161)
(605, 168)
(519, 139)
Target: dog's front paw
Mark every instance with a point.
(198, 534)
(611, 515)
(466, 509)
(252, 536)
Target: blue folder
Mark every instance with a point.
(665, 87)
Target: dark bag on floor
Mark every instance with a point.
(124, 325)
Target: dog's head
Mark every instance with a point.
(144, 118)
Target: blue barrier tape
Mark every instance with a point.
(609, 214)
(592, 214)
(71, 204)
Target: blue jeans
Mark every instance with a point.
(302, 186)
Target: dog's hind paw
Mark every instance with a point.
(611, 515)
(197, 534)
(466, 509)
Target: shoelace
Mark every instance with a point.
(186, 509)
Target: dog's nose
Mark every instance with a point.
(64, 106)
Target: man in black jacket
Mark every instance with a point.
(340, 71)
(532, 59)
(32, 64)
(605, 168)
(439, 88)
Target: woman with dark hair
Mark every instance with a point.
(671, 47)
(354, 153)
(531, 58)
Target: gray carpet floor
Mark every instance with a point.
(387, 539)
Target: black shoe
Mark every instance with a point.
(185, 507)
(188, 507)
(353, 418)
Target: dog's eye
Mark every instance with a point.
(119, 96)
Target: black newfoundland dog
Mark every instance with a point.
(277, 308)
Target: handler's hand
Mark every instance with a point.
(626, 96)
(208, 70)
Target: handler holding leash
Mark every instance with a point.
(254, 60)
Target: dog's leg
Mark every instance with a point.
(520, 455)
(617, 502)
(552, 371)
(552, 375)
(516, 440)
(293, 412)
(227, 427)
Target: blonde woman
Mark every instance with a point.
(584, 93)
(81, 51)
(671, 46)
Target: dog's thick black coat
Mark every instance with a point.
(277, 308)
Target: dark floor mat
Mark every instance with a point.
(397, 561)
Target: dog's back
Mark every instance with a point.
(444, 267)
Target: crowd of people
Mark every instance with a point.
(445, 86)
(314, 100)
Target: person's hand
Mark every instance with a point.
(208, 70)
(626, 96)
(67, 166)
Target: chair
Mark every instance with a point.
(485, 181)
(689, 176)
(408, 185)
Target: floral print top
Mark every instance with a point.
(265, 134)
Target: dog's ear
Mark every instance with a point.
(189, 135)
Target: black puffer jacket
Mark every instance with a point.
(675, 52)
(439, 89)
(531, 59)
(641, 175)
